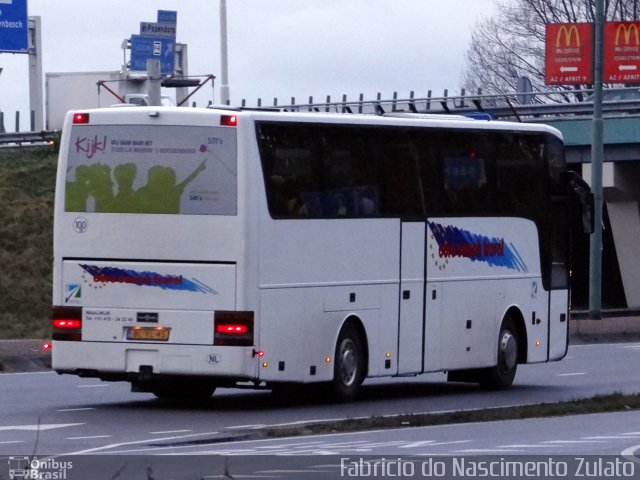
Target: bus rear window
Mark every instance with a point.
(152, 169)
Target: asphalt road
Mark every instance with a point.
(45, 414)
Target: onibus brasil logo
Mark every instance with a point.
(26, 468)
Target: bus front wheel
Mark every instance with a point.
(349, 366)
(502, 375)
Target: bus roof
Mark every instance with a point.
(185, 116)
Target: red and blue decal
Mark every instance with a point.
(149, 279)
(457, 242)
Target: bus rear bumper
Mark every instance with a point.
(130, 361)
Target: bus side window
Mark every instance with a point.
(400, 176)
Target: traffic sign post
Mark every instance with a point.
(569, 56)
(622, 52)
(13, 26)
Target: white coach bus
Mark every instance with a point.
(205, 248)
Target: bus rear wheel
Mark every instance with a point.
(349, 366)
(502, 375)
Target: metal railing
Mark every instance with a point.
(28, 139)
(514, 106)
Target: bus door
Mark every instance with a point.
(412, 277)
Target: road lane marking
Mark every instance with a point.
(26, 373)
(93, 386)
(75, 409)
(630, 453)
(569, 442)
(529, 446)
(138, 442)
(170, 431)
(256, 426)
(33, 428)
(89, 437)
(417, 444)
(11, 441)
(450, 443)
(488, 450)
(571, 374)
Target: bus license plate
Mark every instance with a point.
(160, 334)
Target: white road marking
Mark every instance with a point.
(89, 437)
(93, 386)
(488, 450)
(75, 409)
(33, 428)
(256, 426)
(417, 444)
(529, 446)
(286, 471)
(611, 437)
(450, 443)
(170, 431)
(25, 373)
(12, 441)
(137, 442)
(571, 374)
(569, 442)
(630, 453)
(235, 475)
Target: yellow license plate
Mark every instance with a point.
(160, 334)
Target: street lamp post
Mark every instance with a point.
(597, 154)
(224, 67)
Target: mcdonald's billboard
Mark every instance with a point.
(622, 52)
(569, 49)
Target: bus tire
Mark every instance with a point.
(501, 376)
(349, 366)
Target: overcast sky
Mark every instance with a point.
(277, 48)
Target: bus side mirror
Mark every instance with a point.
(582, 191)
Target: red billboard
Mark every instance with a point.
(569, 48)
(621, 52)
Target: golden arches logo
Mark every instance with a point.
(568, 35)
(627, 29)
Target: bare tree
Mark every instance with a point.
(511, 44)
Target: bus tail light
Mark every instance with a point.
(67, 323)
(233, 328)
(228, 121)
(80, 118)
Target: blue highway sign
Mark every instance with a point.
(144, 48)
(13, 26)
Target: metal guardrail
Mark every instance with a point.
(502, 108)
(28, 139)
(617, 101)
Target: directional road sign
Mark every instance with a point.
(167, 16)
(144, 48)
(622, 52)
(158, 29)
(568, 58)
(13, 26)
